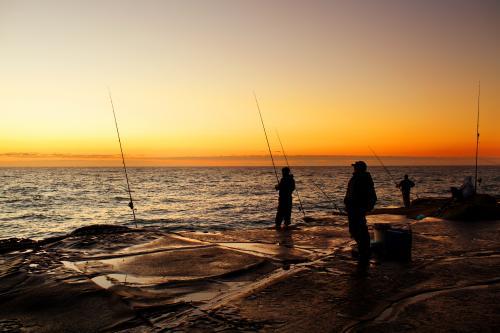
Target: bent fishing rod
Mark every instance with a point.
(131, 203)
(341, 212)
(267, 140)
(301, 208)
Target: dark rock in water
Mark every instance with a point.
(15, 244)
(98, 229)
(51, 240)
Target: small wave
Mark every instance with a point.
(154, 221)
(29, 216)
(11, 201)
(177, 200)
(224, 207)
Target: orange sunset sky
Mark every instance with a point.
(334, 77)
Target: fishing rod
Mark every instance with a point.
(477, 133)
(330, 199)
(387, 170)
(416, 193)
(383, 165)
(267, 140)
(131, 203)
(301, 208)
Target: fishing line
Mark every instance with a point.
(267, 140)
(286, 159)
(383, 165)
(388, 172)
(341, 212)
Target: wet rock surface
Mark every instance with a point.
(298, 280)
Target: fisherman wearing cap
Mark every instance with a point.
(360, 198)
(285, 187)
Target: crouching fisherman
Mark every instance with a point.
(360, 198)
(285, 187)
(465, 191)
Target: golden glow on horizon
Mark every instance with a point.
(332, 77)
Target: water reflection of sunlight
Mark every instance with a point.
(42, 202)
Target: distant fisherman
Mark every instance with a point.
(285, 187)
(405, 186)
(360, 198)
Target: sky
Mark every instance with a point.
(333, 77)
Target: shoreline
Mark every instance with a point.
(429, 207)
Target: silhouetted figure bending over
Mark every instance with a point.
(285, 187)
(465, 191)
(359, 199)
(405, 186)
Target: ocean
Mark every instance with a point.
(41, 202)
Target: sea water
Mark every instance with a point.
(42, 202)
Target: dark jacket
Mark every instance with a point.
(286, 186)
(405, 185)
(360, 192)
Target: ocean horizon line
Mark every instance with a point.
(135, 160)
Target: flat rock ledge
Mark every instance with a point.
(107, 279)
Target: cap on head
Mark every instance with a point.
(359, 166)
(285, 171)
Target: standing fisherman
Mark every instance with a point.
(286, 186)
(405, 186)
(360, 198)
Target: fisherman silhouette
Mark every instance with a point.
(285, 187)
(360, 198)
(405, 186)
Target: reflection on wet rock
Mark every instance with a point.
(298, 280)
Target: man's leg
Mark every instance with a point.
(364, 242)
(359, 231)
(406, 199)
(364, 250)
(279, 217)
(288, 215)
(354, 231)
